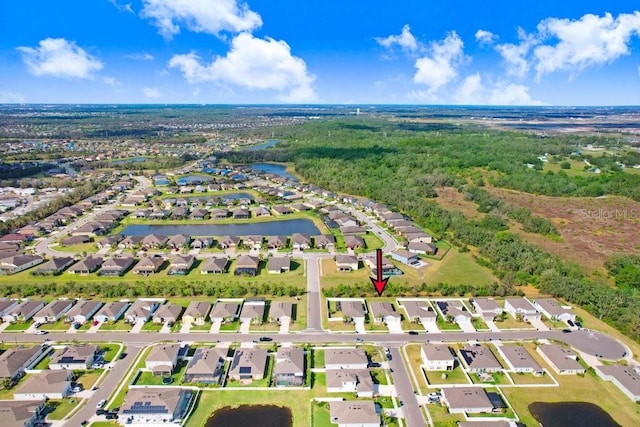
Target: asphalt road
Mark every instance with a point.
(314, 301)
(410, 407)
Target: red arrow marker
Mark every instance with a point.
(379, 283)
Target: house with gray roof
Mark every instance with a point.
(87, 265)
(553, 310)
(53, 311)
(437, 357)
(82, 311)
(479, 358)
(227, 242)
(248, 364)
(206, 366)
(462, 400)
(246, 265)
(353, 310)
(196, 312)
(253, 311)
(116, 266)
(454, 310)
(6, 305)
(351, 413)
(521, 307)
(162, 358)
(626, 378)
(280, 310)
(23, 311)
(301, 241)
(15, 360)
(519, 359)
(277, 242)
(214, 265)
(487, 308)
(180, 264)
(17, 263)
(324, 241)
(141, 310)
(357, 381)
(54, 266)
(347, 262)
(384, 312)
(21, 413)
(289, 368)
(225, 311)
(419, 311)
(345, 358)
(149, 265)
(562, 360)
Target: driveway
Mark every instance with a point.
(185, 328)
(430, 327)
(491, 325)
(215, 328)
(467, 327)
(395, 327)
(94, 328)
(360, 326)
(137, 327)
(539, 325)
(284, 326)
(244, 326)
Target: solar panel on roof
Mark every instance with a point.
(245, 369)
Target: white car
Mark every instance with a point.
(39, 332)
(101, 403)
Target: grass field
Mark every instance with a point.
(61, 408)
(455, 376)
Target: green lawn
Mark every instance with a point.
(522, 378)
(497, 378)
(318, 358)
(88, 378)
(61, 408)
(321, 416)
(230, 327)
(18, 326)
(80, 248)
(379, 377)
(152, 327)
(120, 325)
(149, 379)
(110, 351)
(457, 268)
(298, 401)
(479, 324)
(455, 376)
(43, 363)
(443, 325)
(204, 327)
(57, 326)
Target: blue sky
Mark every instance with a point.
(347, 51)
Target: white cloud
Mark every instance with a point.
(440, 68)
(485, 37)
(253, 63)
(473, 91)
(201, 16)
(59, 58)
(140, 56)
(152, 92)
(122, 8)
(405, 40)
(12, 98)
(111, 81)
(588, 41)
(515, 55)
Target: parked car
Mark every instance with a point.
(414, 333)
(122, 355)
(570, 322)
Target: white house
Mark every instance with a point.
(437, 357)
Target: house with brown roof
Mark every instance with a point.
(246, 265)
(178, 241)
(148, 265)
(47, 384)
(462, 400)
(116, 266)
(253, 311)
(347, 262)
(162, 359)
(17, 263)
(87, 265)
(75, 240)
(227, 242)
(180, 265)
(83, 311)
(280, 310)
(53, 311)
(73, 357)
(289, 367)
(354, 242)
(301, 241)
(277, 242)
(111, 311)
(281, 210)
(23, 311)
(324, 241)
(214, 265)
(357, 381)
(21, 413)
(241, 213)
(141, 310)
(201, 243)
(54, 266)
(153, 241)
(168, 313)
(16, 360)
(278, 264)
(351, 413)
(206, 366)
(248, 364)
(196, 312)
(437, 357)
(225, 311)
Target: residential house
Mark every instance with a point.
(553, 310)
(463, 400)
(277, 265)
(111, 311)
(23, 311)
(220, 214)
(116, 266)
(345, 358)
(324, 241)
(519, 359)
(16, 360)
(248, 364)
(388, 268)
(241, 213)
(180, 265)
(520, 307)
(141, 310)
(87, 265)
(53, 311)
(6, 305)
(357, 381)
(347, 262)
(349, 413)
(252, 311)
(354, 242)
(162, 359)
(479, 358)
(289, 369)
(214, 265)
(454, 310)
(384, 312)
(422, 248)
(280, 311)
(437, 357)
(179, 213)
(168, 313)
(82, 311)
(404, 256)
(153, 241)
(21, 413)
(225, 311)
(261, 211)
(17, 263)
(419, 236)
(75, 240)
(247, 265)
(201, 243)
(626, 378)
(352, 229)
(252, 242)
(149, 265)
(301, 241)
(47, 384)
(352, 310)
(419, 311)
(562, 360)
(196, 312)
(229, 242)
(73, 357)
(162, 405)
(281, 210)
(206, 366)
(54, 266)
(130, 242)
(277, 242)
(178, 241)
(488, 308)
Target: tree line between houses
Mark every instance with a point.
(401, 166)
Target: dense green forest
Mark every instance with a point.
(401, 164)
